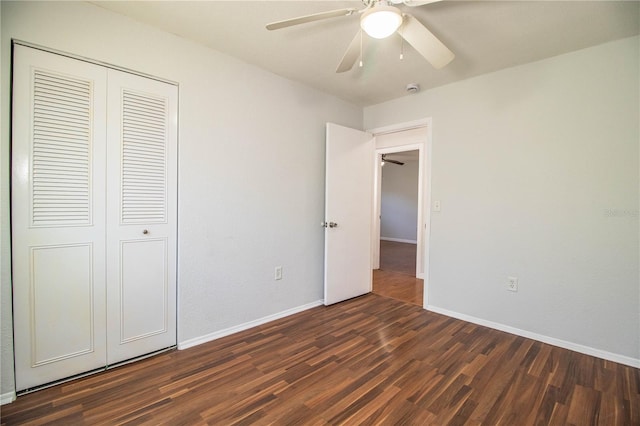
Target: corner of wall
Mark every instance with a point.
(7, 398)
(7, 382)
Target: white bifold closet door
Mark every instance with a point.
(93, 216)
(141, 216)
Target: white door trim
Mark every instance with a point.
(401, 127)
(424, 191)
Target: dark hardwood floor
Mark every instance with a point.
(369, 360)
(396, 277)
(406, 288)
(398, 257)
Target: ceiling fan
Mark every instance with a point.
(380, 19)
(386, 160)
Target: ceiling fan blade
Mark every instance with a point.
(351, 55)
(386, 160)
(310, 18)
(400, 163)
(418, 36)
(416, 3)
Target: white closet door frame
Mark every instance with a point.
(58, 216)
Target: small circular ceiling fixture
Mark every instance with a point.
(413, 88)
(381, 20)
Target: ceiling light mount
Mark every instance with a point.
(413, 88)
(381, 20)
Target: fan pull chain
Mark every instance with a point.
(401, 44)
(360, 48)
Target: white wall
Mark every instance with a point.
(399, 202)
(6, 330)
(537, 170)
(251, 175)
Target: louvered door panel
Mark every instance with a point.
(144, 158)
(61, 151)
(141, 217)
(58, 216)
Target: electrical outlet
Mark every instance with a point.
(278, 273)
(436, 206)
(512, 283)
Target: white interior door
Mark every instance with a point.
(348, 212)
(141, 216)
(58, 216)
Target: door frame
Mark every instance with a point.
(424, 193)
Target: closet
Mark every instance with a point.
(94, 216)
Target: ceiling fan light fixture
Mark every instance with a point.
(381, 21)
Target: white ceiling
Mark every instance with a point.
(485, 36)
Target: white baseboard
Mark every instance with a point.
(621, 359)
(7, 398)
(399, 240)
(235, 329)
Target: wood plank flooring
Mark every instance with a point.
(406, 288)
(396, 277)
(369, 360)
(398, 257)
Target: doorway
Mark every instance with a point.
(403, 137)
(399, 211)
(397, 273)
(400, 221)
